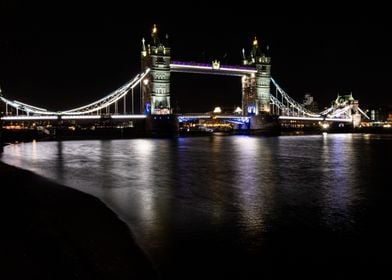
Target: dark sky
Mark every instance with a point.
(64, 55)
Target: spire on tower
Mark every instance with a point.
(167, 39)
(255, 49)
(154, 35)
(144, 50)
(143, 44)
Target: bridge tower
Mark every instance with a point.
(345, 100)
(156, 85)
(256, 87)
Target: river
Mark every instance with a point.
(238, 206)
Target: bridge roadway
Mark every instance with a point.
(181, 118)
(67, 117)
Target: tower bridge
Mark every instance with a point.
(148, 96)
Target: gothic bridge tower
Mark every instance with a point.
(156, 86)
(256, 87)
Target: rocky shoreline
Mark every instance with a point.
(51, 231)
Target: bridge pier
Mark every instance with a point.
(256, 91)
(156, 86)
(264, 123)
(162, 124)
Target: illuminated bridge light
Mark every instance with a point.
(28, 118)
(128, 116)
(195, 117)
(80, 117)
(314, 119)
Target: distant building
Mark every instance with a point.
(389, 113)
(380, 114)
(309, 103)
(3, 108)
(389, 118)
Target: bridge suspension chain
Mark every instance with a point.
(94, 107)
(293, 105)
(109, 99)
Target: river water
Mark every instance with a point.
(315, 207)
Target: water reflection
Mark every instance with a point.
(226, 191)
(59, 163)
(138, 174)
(251, 159)
(339, 159)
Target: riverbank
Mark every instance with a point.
(50, 231)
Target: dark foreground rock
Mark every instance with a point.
(49, 231)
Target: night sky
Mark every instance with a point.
(59, 56)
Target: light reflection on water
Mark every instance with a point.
(235, 189)
(338, 160)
